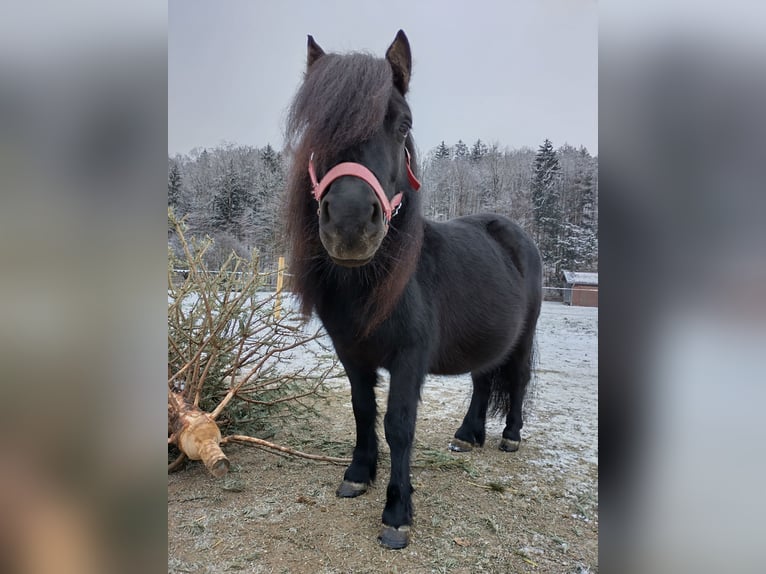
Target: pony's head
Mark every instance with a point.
(349, 125)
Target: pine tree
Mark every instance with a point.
(478, 151)
(174, 184)
(579, 245)
(271, 159)
(586, 208)
(547, 209)
(229, 201)
(461, 150)
(442, 152)
(268, 233)
(588, 220)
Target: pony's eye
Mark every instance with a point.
(404, 129)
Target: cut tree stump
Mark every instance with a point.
(196, 434)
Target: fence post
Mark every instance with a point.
(280, 282)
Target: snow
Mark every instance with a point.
(581, 278)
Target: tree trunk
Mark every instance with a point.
(196, 434)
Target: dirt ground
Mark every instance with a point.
(535, 510)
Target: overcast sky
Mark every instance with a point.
(511, 72)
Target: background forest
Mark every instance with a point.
(233, 194)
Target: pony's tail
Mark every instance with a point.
(530, 392)
(514, 378)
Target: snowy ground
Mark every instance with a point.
(563, 398)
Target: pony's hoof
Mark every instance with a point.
(509, 445)
(348, 489)
(458, 445)
(394, 538)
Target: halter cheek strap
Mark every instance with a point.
(390, 208)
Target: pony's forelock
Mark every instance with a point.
(342, 102)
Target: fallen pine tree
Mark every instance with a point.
(230, 346)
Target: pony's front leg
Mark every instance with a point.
(364, 463)
(399, 424)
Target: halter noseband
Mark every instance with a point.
(390, 208)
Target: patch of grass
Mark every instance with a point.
(174, 566)
(233, 485)
(585, 505)
(557, 540)
(523, 555)
(440, 460)
(194, 528)
(491, 524)
(496, 486)
(445, 565)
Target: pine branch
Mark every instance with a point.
(266, 444)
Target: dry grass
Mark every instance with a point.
(483, 511)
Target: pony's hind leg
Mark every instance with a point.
(503, 388)
(472, 432)
(515, 377)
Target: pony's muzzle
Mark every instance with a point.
(351, 222)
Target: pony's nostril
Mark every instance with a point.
(376, 215)
(324, 211)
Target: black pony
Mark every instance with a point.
(395, 290)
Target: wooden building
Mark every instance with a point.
(582, 289)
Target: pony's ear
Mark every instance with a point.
(400, 58)
(314, 52)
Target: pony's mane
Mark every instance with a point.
(342, 102)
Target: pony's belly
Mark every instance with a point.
(472, 354)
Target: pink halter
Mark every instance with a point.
(390, 208)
